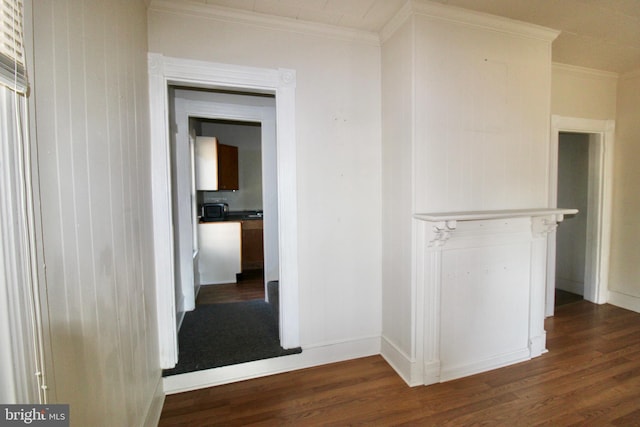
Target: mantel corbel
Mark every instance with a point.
(440, 232)
(541, 226)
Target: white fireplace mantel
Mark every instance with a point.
(544, 220)
(495, 214)
(480, 278)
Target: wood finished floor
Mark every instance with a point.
(250, 286)
(564, 297)
(590, 377)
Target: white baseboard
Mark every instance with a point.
(538, 345)
(625, 301)
(310, 356)
(414, 373)
(409, 370)
(154, 411)
(454, 372)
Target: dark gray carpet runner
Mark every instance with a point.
(218, 335)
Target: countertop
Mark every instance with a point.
(240, 216)
(244, 215)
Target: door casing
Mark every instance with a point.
(601, 144)
(167, 71)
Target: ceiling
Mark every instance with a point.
(599, 34)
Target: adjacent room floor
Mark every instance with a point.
(564, 297)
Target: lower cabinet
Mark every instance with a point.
(252, 245)
(220, 256)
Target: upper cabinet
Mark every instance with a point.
(216, 165)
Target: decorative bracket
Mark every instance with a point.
(440, 233)
(541, 226)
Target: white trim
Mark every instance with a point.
(408, 369)
(154, 411)
(310, 356)
(500, 361)
(628, 302)
(466, 17)
(164, 71)
(600, 204)
(162, 216)
(496, 214)
(262, 20)
(581, 71)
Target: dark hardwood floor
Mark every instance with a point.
(589, 377)
(564, 297)
(250, 286)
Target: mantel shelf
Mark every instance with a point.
(496, 214)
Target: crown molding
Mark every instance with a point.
(263, 20)
(466, 17)
(575, 69)
(398, 20)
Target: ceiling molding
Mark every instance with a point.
(466, 17)
(265, 21)
(584, 70)
(396, 22)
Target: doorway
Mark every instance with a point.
(223, 148)
(571, 237)
(593, 148)
(165, 72)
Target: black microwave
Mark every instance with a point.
(213, 211)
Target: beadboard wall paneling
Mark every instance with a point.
(90, 91)
(481, 118)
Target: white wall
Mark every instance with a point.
(482, 118)
(338, 152)
(571, 237)
(624, 277)
(92, 135)
(583, 92)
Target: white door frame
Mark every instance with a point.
(599, 205)
(165, 71)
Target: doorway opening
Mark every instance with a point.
(571, 238)
(581, 176)
(225, 221)
(165, 73)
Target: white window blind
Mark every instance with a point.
(12, 66)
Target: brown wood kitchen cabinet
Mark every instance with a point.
(252, 245)
(227, 167)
